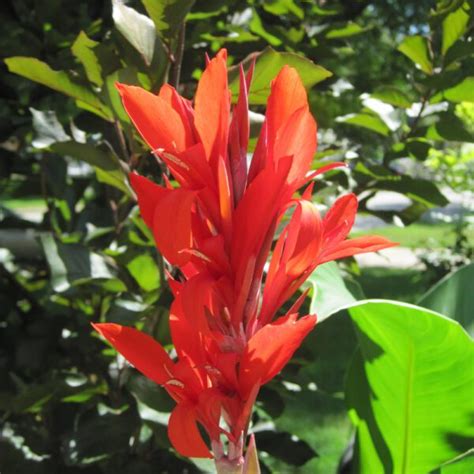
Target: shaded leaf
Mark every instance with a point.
(453, 297)
(107, 166)
(285, 447)
(167, 15)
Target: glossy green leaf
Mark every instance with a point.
(83, 50)
(410, 388)
(40, 72)
(73, 265)
(454, 26)
(167, 15)
(107, 166)
(268, 64)
(48, 129)
(369, 121)
(416, 48)
(453, 297)
(138, 29)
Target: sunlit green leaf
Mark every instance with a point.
(83, 49)
(454, 26)
(268, 64)
(410, 388)
(40, 72)
(369, 121)
(138, 29)
(416, 48)
(462, 92)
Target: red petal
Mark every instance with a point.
(172, 225)
(184, 434)
(142, 351)
(350, 247)
(148, 194)
(287, 96)
(212, 107)
(158, 123)
(270, 349)
(339, 220)
(297, 138)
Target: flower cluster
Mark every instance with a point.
(218, 228)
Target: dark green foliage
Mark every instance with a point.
(385, 79)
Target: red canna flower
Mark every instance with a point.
(218, 227)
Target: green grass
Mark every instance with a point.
(420, 235)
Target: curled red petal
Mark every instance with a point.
(148, 194)
(340, 218)
(184, 433)
(141, 350)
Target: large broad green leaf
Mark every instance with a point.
(138, 29)
(410, 388)
(40, 72)
(268, 64)
(460, 465)
(453, 297)
(329, 291)
(83, 50)
(454, 26)
(416, 48)
(167, 15)
(106, 165)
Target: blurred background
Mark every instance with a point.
(391, 84)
